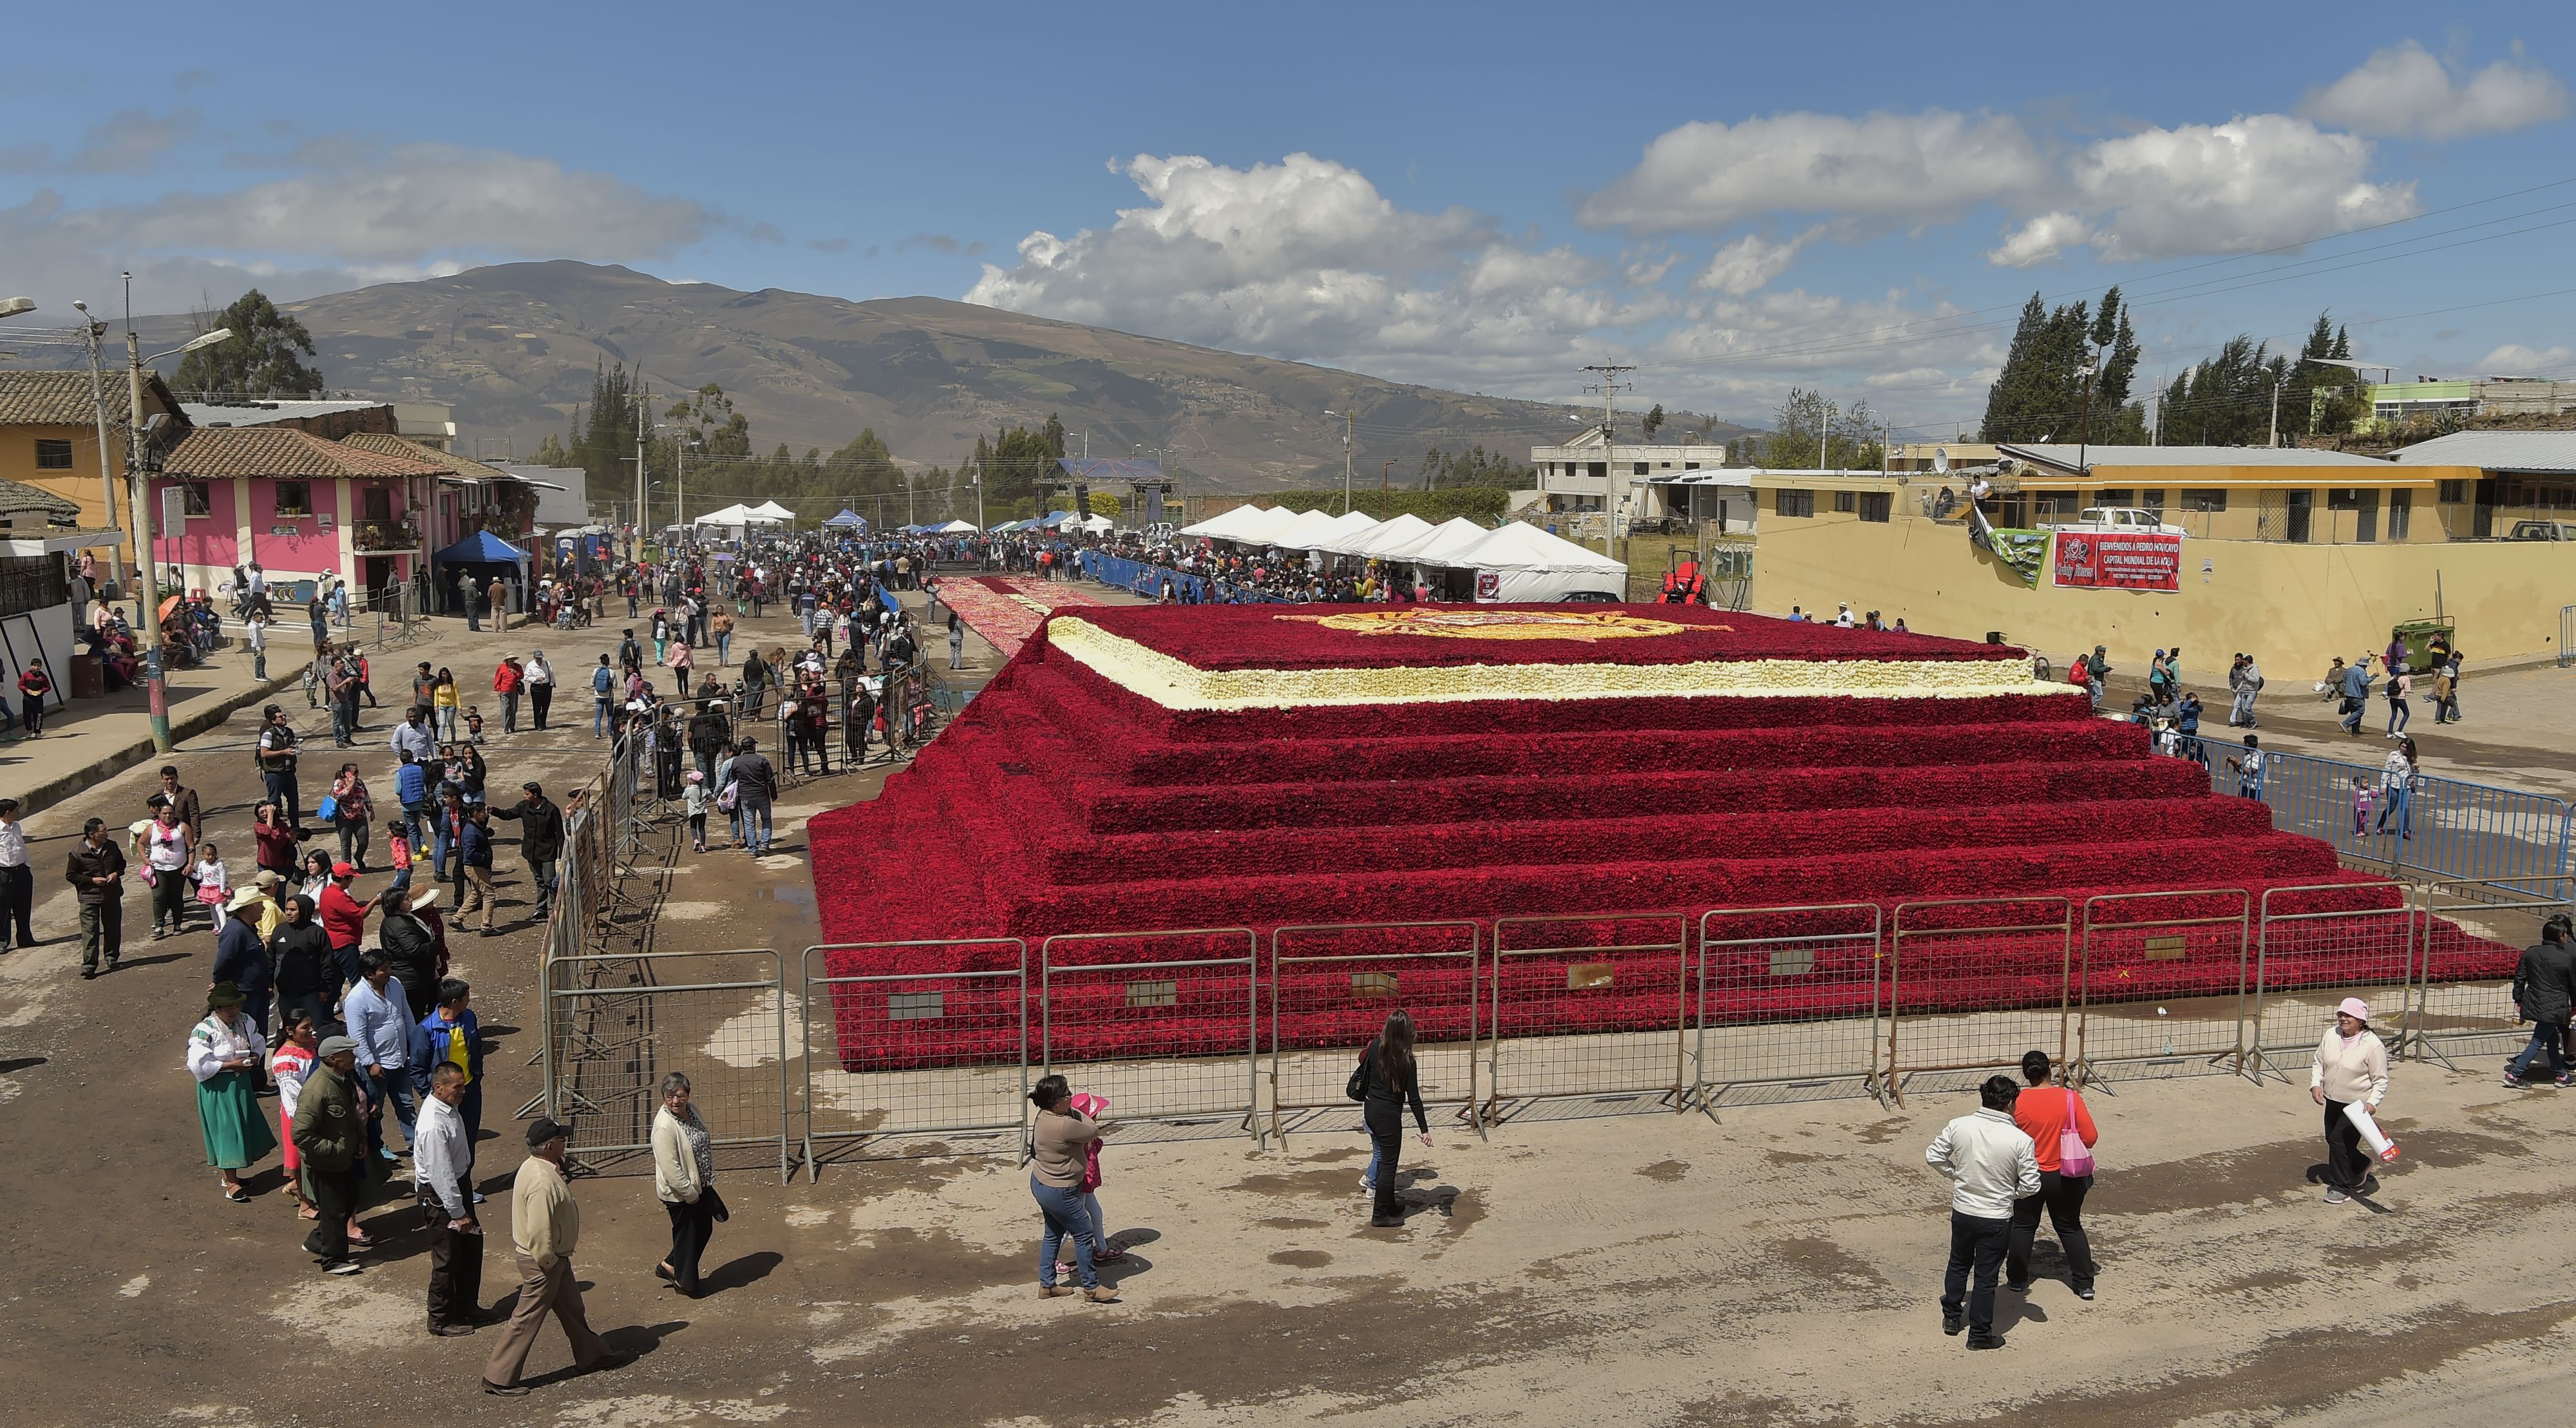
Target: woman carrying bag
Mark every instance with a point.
(1385, 1083)
(684, 1178)
(2062, 1135)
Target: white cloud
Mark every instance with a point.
(2041, 240)
(1705, 176)
(2258, 181)
(2515, 360)
(1305, 259)
(2404, 92)
(1751, 263)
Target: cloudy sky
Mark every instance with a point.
(1483, 197)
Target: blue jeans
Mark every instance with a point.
(599, 718)
(2399, 806)
(755, 812)
(392, 1086)
(1066, 1218)
(2548, 1037)
(724, 649)
(282, 792)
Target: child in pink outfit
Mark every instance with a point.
(1094, 1107)
(2362, 794)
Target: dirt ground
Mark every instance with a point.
(1780, 1266)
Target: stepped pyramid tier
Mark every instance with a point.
(1141, 768)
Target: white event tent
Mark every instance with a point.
(1521, 564)
(1375, 542)
(1303, 532)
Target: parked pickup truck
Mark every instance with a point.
(2121, 518)
(2543, 530)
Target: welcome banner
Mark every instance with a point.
(2118, 560)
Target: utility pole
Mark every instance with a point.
(2275, 438)
(680, 460)
(2084, 431)
(1347, 419)
(1384, 476)
(1612, 496)
(641, 417)
(94, 330)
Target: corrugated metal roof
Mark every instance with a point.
(265, 413)
(2496, 451)
(2066, 453)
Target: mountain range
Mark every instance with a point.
(513, 348)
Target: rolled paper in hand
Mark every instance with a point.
(2371, 1135)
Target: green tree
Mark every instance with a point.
(1809, 431)
(258, 361)
(2043, 393)
(1654, 421)
(2227, 400)
(1444, 471)
(1018, 463)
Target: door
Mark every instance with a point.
(2302, 506)
(376, 572)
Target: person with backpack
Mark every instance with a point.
(603, 694)
(2062, 1135)
(1385, 1082)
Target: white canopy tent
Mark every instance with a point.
(1218, 526)
(1521, 564)
(1262, 528)
(1346, 541)
(1303, 532)
(772, 511)
(1455, 533)
(957, 528)
(733, 515)
(1385, 536)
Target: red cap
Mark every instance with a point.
(343, 870)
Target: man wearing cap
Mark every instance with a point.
(2351, 1067)
(541, 836)
(442, 1164)
(277, 764)
(17, 881)
(329, 1138)
(344, 919)
(241, 957)
(545, 1227)
(97, 874)
(412, 950)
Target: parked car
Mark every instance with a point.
(2543, 530)
(2122, 518)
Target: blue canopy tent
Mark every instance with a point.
(487, 556)
(848, 520)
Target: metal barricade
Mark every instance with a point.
(1166, 1025)
(2566, 635)
(2433, 829)
(1975, 982)
(1331, 990)
(1790, 999)
(913, 1056)
(2161, 984)
(619, 1024)
(2474, 935)
(2317, 945)
(1588, 1015)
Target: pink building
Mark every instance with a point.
(300, 505)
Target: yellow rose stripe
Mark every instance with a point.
(1175, 684)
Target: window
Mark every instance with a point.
(1795, 503)
(1843, 501)
(2211, 499)
(2115, 496)
(295, 498)
(2153, 498)
(2363, 505)
(29, 583)
(53, 455)
(194, 493)
(1638, 469)
(2401, 506)
(2452, 492)
(1873, 506)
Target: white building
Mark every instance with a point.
(1637, 481)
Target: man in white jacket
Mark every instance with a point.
(1991, 1164)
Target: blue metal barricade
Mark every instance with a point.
(2433, 827)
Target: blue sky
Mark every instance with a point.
(1485, 197)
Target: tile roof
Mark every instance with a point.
(17, 498)
(63, 398)
(2496, 451)
(223, 452)
(447, 461)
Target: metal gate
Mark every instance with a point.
(1790, 999)
(2160, 985)
(2464, 971)
(1165, 1025)
(2319, 944)
(618, 1024)
(912, 1056)
(1975, 982)
(1331, 988)
(1587, 1014)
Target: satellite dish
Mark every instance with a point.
(1941, 459)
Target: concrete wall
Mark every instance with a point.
(2291, 606)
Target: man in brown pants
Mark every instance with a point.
(545, 1225)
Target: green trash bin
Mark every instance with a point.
(2417, 636)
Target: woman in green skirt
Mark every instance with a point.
(223, 1054)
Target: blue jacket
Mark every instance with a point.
(476, 840)
(241, 959)
(433, 1037)
(411, 785)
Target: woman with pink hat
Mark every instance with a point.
(2351, 1070)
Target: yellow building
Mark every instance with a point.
(49, 439)
(2291, 556)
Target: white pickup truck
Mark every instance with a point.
(2121, 518)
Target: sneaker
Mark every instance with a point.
(2336, 1197)
(2565, 1080)
(2513, 1082)
(2021, 1288)
(1367, 1184)
(505, 1390)
(1985, 1341)
(340, 1266)
(1952, 1324)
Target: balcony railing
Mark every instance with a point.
(385, 536)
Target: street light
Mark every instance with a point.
(149, 612)
(1346, 458)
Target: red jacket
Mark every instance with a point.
(2041, 1114)
(344, 918)
(506, 679)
